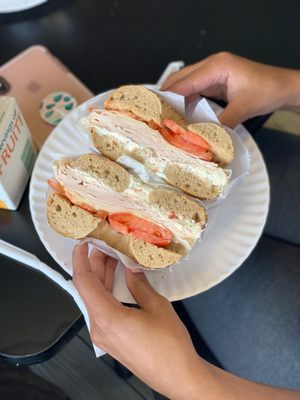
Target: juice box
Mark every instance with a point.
(17, 153)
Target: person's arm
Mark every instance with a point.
(151, 341)
(250, 88)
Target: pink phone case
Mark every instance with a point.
(32, 75)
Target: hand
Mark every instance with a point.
(150, 341)
(249, 88)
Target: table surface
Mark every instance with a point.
(106, 44)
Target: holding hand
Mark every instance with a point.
(248, 87)
(150, 341)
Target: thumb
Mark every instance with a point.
(234, 113)
(140, 289)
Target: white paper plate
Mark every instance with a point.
(226, 244)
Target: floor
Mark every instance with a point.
(75, 373)
(81, 375)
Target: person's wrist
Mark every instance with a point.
(198, 379)
(291, 100)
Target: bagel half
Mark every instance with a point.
(92, 190)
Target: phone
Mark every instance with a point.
(30, 77)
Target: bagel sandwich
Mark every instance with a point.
(95, 197)
(138, 123)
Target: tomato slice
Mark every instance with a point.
(185, 134)
(151, 123)
(70, 197)
(185, 140)
(95, 109)
(56, 186)
(178, 141)
(101, 214)
(85, 207)
(130, 114)
(140, 228)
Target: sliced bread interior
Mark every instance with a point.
(190, 183)
(139, 100)
(69, 220)
(111, 173)
(175, 203)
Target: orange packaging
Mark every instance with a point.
(17, 153)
